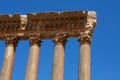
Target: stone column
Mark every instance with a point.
(84, 62)
(58, 60)
(7, 66)
(32, 65)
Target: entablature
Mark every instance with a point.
(47, 24)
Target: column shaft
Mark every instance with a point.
(58, 62)
(32, 65)
(8, 61)
(7, 66)
(84, 63)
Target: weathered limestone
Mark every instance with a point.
(58, 60)
(7, 66)
(48, 25)
(32, 66)
(84, 62)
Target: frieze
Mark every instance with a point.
(56, 20)
(10, 22)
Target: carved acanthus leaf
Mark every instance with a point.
(35, 39)
(60, 38)
(85, 36)
(11, 39)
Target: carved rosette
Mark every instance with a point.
(85, 36)
(35, 39)
(60, 38)
(11, 39)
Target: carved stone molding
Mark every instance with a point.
(11, 39)
(85, 36)
(71, 19)
(10, 22)
(47, 24)
(60, 38)
(35, 39)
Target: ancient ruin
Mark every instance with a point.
(49, 25)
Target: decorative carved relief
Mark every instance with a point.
(60, 38)
(35, 39)
(85, 36)
(11, 39)
(56, 20)
(10, 22)
(47, 24)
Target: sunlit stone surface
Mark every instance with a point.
(50, 25)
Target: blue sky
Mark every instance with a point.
(105, 47)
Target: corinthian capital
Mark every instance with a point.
(35, 39)
(11, 39)
(60, 38)
(85, 36)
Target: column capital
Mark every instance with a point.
(85, 36)
(11, 39)
(35, 39)
(60, 38)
